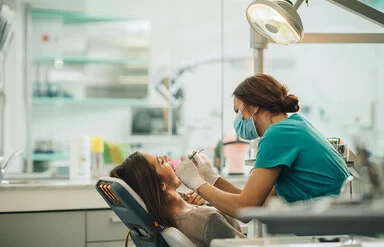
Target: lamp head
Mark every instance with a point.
(277, 20)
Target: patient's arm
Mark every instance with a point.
(194, 198)
(226, 186)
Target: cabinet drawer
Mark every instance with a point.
(104, 225)
(111, 244)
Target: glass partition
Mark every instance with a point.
(130, 75)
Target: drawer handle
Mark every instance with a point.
(115, 219)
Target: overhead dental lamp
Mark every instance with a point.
(276, 20)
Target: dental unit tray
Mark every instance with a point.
(131, 210)
(365, 219)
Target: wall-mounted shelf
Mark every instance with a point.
(154, 139)
(87, 60)
(71, 17)
(90, 101)
(50, 156)
(83, 62)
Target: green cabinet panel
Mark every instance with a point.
(54, 229)
(104, 225)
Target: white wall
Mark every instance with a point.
(342, 79)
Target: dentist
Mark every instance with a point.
(294, 160)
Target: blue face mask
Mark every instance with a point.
(245, 128)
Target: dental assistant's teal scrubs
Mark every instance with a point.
(311, 166)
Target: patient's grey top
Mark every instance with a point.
(202, 224)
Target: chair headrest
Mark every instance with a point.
(127, 187)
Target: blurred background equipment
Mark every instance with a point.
(371, 170)
(235, 152)
(154, 121)
(7, 17)
(368, 9)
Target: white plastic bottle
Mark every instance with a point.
(80, 166)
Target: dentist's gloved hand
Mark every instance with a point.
(206, 169)
(189, 174)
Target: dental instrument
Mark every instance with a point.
(194, 153)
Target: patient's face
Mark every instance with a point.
(164, 169)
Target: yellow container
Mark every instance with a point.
(97, 156)
(97, 145)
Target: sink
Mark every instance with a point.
(29, 176)
(46, 177)
(26, 182)
(22, 182)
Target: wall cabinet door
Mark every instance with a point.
(48, 229)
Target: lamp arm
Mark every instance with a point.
(298, 3)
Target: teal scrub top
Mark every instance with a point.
(311, 166)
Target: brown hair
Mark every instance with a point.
(143, 179)
(266, 92)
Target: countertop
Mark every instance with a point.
(50, 195)
(57, 195)
(46, 184)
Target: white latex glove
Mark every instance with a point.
(206, 169)
(189, 174)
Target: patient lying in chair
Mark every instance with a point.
(154, 180)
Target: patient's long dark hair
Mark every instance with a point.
(143, 179)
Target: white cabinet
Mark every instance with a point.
(104, 225)
(105, 229)
(90, 228)
(42, 229)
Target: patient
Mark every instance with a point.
(154, 180)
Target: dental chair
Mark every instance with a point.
(131, 210)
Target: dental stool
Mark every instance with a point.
(131, 210)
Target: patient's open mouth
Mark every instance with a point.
(175, 164)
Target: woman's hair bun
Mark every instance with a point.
(290, 103)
